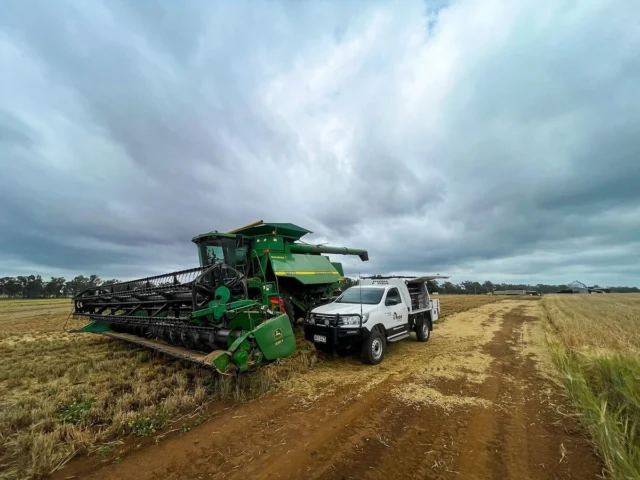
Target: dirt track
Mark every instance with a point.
(474, 402)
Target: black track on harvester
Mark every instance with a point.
(161, 306)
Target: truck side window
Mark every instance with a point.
(392, 294)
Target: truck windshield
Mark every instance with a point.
(369, 296)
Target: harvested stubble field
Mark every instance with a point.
(65, 395)
(477, 401)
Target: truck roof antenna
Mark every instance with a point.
(360, 287)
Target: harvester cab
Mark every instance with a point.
(235, 310)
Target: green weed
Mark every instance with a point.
(145, 426)
(74, 412)
(105, 450)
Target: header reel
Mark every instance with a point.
(202, 315)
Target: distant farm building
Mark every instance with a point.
(515, 292)
(579, 287)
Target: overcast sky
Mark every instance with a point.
(477, 138)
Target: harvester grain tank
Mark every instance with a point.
(235, 310)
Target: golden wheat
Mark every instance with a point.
(596, 348)
(597, 323)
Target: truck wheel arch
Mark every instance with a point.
(380, 328)
(427, 318)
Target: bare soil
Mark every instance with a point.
(477, 401)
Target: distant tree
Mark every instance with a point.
(10, 287)
(625, 290)
(54, 287)
(75, 286)
(448, 287)
(432, 286)
(467, 286)
(113, 281)
(32, 286)
(487, 287)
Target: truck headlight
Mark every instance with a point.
(350, 320)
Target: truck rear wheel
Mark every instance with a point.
(373, 348)
(423, 331)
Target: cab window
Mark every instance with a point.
(393, 297)
(215, 254)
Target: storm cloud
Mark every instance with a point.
(480, 139)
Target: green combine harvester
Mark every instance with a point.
(233, 312)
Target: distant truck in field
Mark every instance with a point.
(369, 315)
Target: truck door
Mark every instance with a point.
(397, 311)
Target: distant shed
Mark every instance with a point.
(515, 292)
(575, 287)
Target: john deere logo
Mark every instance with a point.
(277, 333)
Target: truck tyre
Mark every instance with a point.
(373, 348)
(423, 331)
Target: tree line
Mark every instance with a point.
(34, 286)
(476, 288)
(469, 287)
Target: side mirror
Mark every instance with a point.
(392, 301)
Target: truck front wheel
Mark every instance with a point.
(373, 348)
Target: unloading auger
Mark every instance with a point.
(233, 312)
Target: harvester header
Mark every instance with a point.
(235, 310)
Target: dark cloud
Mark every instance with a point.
(473, 138)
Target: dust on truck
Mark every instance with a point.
(377, 311)
(231, 313)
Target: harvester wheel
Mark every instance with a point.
(423, 330)
(373, 348)
(289, 310)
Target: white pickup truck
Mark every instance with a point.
(377, 311)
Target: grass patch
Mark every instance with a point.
(143, 426)
(602, 374)
(74, 412)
